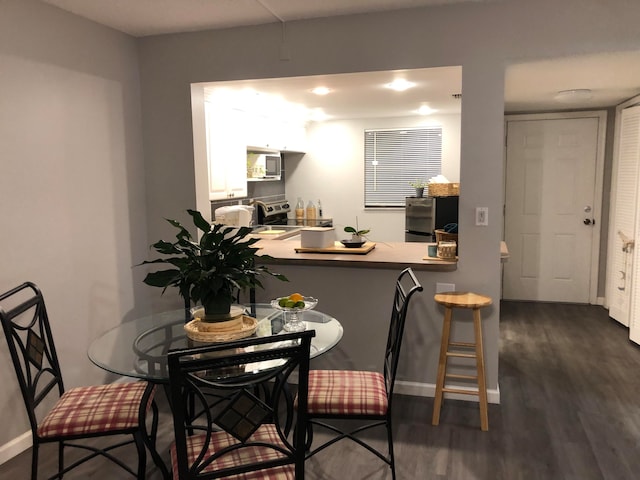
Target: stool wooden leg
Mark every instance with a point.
(442, 365)
(482, 383)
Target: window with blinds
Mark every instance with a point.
(395, 157)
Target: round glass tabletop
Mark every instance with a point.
(139, 348)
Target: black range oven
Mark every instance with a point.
(275, 212)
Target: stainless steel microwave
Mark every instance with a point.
(264, 166)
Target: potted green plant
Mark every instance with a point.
(356, 233)
(211, 271)
(419, 185)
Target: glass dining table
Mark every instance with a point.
(138, 348)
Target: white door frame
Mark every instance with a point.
(601, 115)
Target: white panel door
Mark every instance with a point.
(549, 208)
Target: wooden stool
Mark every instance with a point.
(451, 300)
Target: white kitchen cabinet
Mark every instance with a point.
(294, 137)
(260, 132)
(226, 153)
(274, 134)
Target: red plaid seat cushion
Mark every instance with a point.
(94, 409)
(347, 392)
(245, 455)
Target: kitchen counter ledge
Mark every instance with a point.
(384, 255)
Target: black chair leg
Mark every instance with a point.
(142, 454)
(61, 457)
(34, 461)
(150, 441)
(392, 461)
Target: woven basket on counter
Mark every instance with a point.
(447, 251)
(442, 236)
(443, 189)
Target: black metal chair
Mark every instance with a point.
(78, 413)
(362, 395)
(226, 423)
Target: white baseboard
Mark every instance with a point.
(429, 390)
(15, 447)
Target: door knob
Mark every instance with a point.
(589, 221)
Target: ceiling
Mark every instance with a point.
(153, 17)
(529, 87)
(353, 95)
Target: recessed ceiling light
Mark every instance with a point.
(426, 110)
(573, 95)
(321, 90)
(400, 85)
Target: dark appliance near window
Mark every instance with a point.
(445, 211)
(418, 219)
(423, 215)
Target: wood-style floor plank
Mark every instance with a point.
(570, 409)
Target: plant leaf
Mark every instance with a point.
(162, 278)
(199, 221)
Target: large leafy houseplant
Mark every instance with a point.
(211, 271)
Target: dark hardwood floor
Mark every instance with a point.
(570, 409)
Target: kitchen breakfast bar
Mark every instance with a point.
(358, 290)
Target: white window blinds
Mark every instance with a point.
(395, 157)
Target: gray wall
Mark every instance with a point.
(72, 214)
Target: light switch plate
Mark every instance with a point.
(482, 216)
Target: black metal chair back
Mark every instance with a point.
(406, 285)
(80, 413)
(357, 395)
(26, 328)
(238, 425)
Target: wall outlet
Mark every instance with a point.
(445, 287)
(482, 216)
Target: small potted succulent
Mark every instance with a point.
(211, 271)
(419, 185)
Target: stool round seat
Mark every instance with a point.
(448, 348)
(462, 299)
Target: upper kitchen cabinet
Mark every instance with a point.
(295, 137)
(226, 153)
(271, 133)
